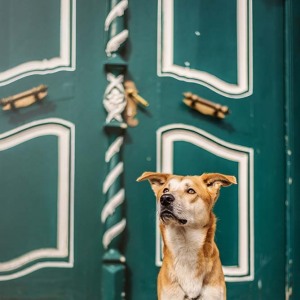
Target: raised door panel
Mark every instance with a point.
(186, 149)
(37, 198)
(50, 200)
(221, 53)
(38, 38)
(186, 50)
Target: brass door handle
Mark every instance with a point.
(204, 106)
(133, 99)
(24, 99)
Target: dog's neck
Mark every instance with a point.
(189, 239)
(187, 251)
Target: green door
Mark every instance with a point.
(232, 54)
(74, 224)
(52, 152)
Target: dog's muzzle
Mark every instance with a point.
(166, 200)
(167, 213)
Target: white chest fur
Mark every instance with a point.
(184, 245)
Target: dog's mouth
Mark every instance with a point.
(167, 215)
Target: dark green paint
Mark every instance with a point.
(22, 20)
(113, 281)
(75, 97)
(292, 42)
(31, 224)
(113, 268)
(212, 55)
(256, 121)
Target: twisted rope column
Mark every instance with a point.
(112, 215)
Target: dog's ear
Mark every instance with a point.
(155, 179)
(214, 182)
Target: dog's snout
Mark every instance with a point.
(166, 199)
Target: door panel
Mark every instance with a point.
(38, 198)
(54, 164)
(230, 54)
(36, 42)
(204, 38)
(186, 50)
(174, 143)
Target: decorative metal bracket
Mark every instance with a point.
(204, 106)
(24, 99)
(133, 99)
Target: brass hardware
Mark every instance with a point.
(204, 106)
(133, 99)
(24, 99)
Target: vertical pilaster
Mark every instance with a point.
(112, 216)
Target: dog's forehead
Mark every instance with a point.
(178, 183)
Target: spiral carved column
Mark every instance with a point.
(112, 216)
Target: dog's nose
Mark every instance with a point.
(166, 199)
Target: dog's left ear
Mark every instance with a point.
(156, 179)
(214, 182)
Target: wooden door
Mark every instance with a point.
(231, 54)
(51, 153)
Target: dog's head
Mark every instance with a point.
(186, 200)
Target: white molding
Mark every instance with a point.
(114, 148)
(64, 130)
(112, 176)
(110, 207)
(165, 52)
(117, 11)
(166, 136)
(67, 57)
(116, 41)
(113, 232)
(114, 98)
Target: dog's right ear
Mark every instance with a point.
(156, 180)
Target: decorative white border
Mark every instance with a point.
(65, 131)
(165, 52)
(116, 200)
(166, 136)
(67, 59)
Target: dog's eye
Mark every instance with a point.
(191, 191)
(165, 190)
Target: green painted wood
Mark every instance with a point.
(21, 20)
(29, 171)
(113, 281)
(292, 9)
(32, 224)
(199, 32)
(114, 267)
(256, 121)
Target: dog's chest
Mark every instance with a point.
(185, 247)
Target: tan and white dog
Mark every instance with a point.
(191, 267)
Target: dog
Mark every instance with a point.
(191, 267)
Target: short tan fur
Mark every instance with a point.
(191, 267)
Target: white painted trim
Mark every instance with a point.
(166, 136)
(165, 51)
(112, 176)
(114, 148)
(110, 206)
(113, 232)
(116, 41)
(117, 11)
(113, 102)
(64, 130)
(67, 59)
